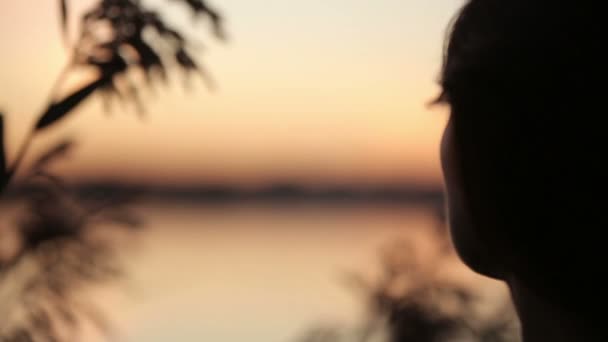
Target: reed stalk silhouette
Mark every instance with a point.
(410, 302)
(56, 248)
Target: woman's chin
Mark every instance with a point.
(473, 252)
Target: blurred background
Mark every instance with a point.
(280, 203)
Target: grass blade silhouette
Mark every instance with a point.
(58, 110)
(64, 18)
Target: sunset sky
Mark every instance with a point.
(318, 92)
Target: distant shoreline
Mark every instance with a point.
(273, 193)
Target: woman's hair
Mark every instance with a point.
(524, 82)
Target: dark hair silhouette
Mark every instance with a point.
(524, 82)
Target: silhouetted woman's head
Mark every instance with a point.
(523, 153)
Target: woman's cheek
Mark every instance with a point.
(465, 240)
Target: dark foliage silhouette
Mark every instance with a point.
(409, 302)
(58, 247)
(118, 38)
(63, 245)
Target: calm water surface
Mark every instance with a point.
(258, 272)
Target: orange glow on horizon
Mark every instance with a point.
(322, 92)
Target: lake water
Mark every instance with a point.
(260, 272)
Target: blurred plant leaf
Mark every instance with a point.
(64, 18)
(200, 7)
(122, 36)
(64, 244)
(59, 150)
(58, 110)
(149, 60)
(410, 301)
